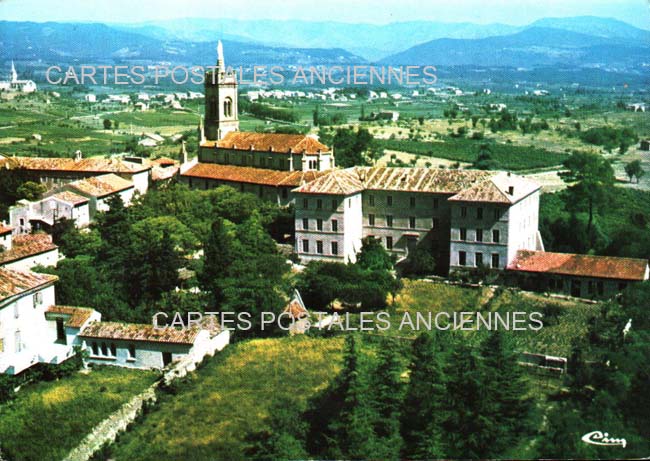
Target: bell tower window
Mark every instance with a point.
(227, 107)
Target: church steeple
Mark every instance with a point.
(14, 74)
(220, 63)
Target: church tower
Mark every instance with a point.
(221, 111)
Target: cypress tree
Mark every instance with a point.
(386, 400)
(421, 416)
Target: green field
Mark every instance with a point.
(210, 416)
(507, 156)
(46, 420)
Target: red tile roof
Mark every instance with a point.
(269, 142)
(145, 332)
(101, 186)
(606, 267)
(5, 229)
(337, 182)
(76, 316)
(26, 245)
(232, 173)
(89, 165)
(13, 283)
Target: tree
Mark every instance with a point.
(419, 262)
(386, 392)
(470, 427)
(508, 389)
(107, 124)
(218, 257)
(634, 169)
(592, 178)
(422, 409)
(283, 435)
(31, 191)
(484, 159)
(340, 417)
(373, 255)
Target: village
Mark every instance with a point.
(298, 228)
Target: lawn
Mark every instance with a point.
(563, 320)
(46, 420)
(211, 415)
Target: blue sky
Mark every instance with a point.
(516, 12)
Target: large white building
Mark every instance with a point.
(464, 218)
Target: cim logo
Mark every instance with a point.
(603, 439)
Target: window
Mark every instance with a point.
(305, 246)
(462, 258)
(412, 222)
(335, 204)
(16, 310)
(335, 225)
(319, 224)
(389, 243)
(601, 288)
(497, 214)
(435, 223)
(371, 200)
(371, 219)
(496, 236)
(463, 212)
(305, 223)
(131, 351)
(104, 349)
(463, 233)
(319, 247)
(349, 203)
(412, 202)
(38, 299)
(389, 220)
(305, 203)
(95, 348)
(60, 331)
(389, 200)
(285, 193)
(113, 350)
(319, 204)
(436, 203)
(479, 213)
(335, 248)
(313, 164)
(227, 107)
(590, 287)
(495, 260)
(479, 235)
(478, 259)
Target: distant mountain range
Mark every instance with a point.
(577, 42)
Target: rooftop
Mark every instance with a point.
(503, 188)
(606, 267)
(89, 165)
(269, 142)
(27, 245)
(70, 197)
(76, 317)
(4, 229)
(100, 186)
(13, 283)
(250, 175)
(144, 332)
(432, 180)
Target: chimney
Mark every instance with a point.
(511, 190)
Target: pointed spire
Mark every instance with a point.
(14, 74)
(220, 54)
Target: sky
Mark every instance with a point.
(514, 12)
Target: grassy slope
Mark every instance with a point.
(48, 419)
(228, 399)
